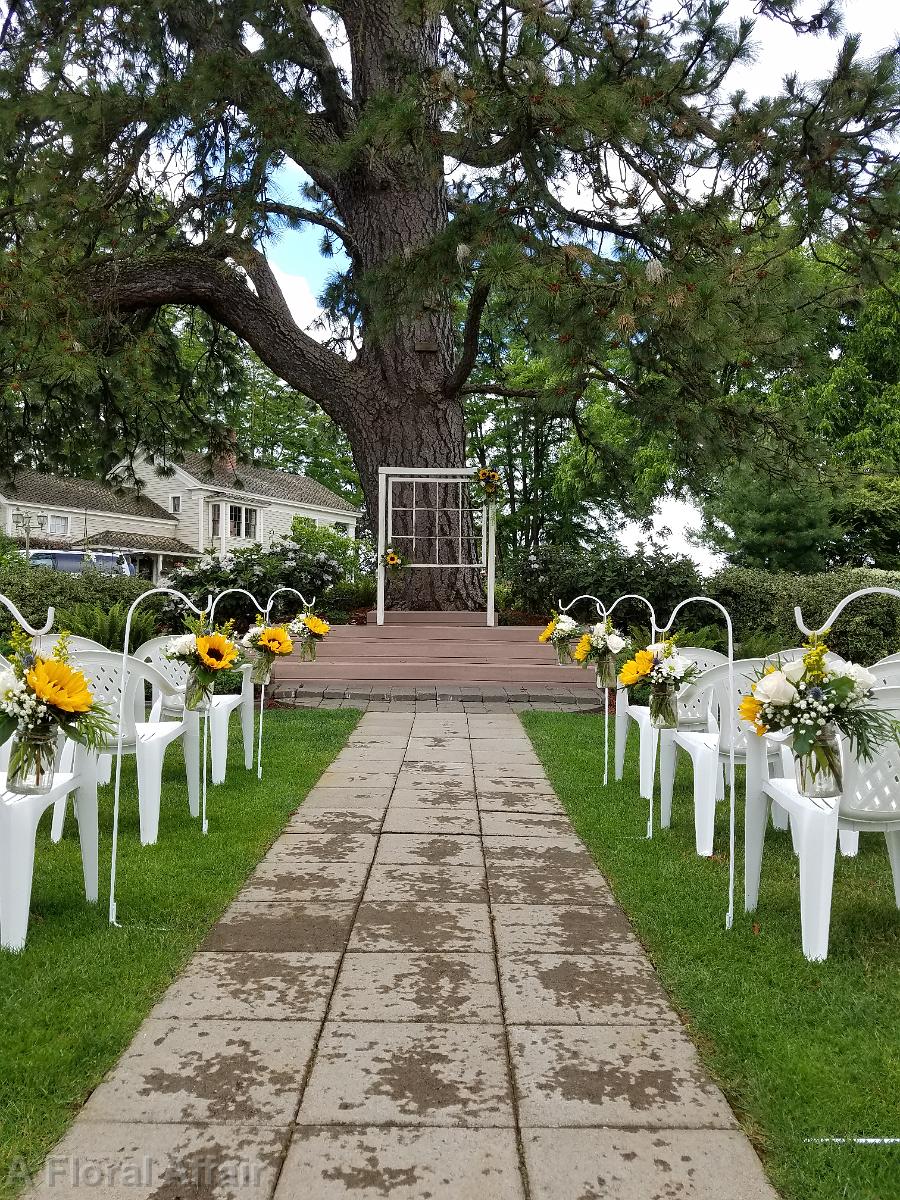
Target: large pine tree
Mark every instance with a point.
(582, 160)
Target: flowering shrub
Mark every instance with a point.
(260, 571)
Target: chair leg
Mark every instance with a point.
(780, 819)
(720, 782)
(104, 769)
(218, 741)
(849, 842)
(88, 826)
(647, 759)
(17, 837)
(59, 819)
(190, 742)
(248, 723)
(149, 758)
(893, 848)
(667, 754)
(705, 772)
(621, 731)
(817, 839)
(756, 815)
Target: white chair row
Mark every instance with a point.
(146, 736)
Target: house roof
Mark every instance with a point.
(264, 481)
(152, 543)
(54, 491)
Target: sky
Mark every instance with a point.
(302, 271)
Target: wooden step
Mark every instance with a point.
(429, 617)
(456, 633)
(432, 672)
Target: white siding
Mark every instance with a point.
(83, 524)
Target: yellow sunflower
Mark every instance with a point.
(547, 633)
(316, 626)
(749, 710)
(59, 686)
(644, 662)
(392, 558)
(629, 675)
(583, 649)
(275, 640)
(216, 652)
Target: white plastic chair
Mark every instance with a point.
(691, 716)
(45, 644)
(870, 803)
(220, 709)
(19, 817)
(146, 740)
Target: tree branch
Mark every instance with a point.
(263, 320)
(296, 213)
(466, 361)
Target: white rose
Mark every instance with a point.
(565, 623)
(775, 689)
(7, 683)
(657, 647)
(863, 680)
(615, 643)
(794, 671)
(249, 637)
(186, 644)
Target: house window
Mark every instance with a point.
(339, 527)
(250, 523)
(214, 525)
(235, 521)
(57, 526)
(175, 505)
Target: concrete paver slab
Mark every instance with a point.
(403, 986)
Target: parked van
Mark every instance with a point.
(76, 562)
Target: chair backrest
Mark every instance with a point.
(872, 789)
(696, 708)
(712, 685)
(154, 653)
(888, 658)
(45, 643)
(887, 672)
(104, 670)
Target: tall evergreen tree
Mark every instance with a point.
(583, 160)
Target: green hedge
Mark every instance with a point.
(762, 607)
(35, 589)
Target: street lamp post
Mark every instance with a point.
(25, 522)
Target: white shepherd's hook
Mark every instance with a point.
(839, 608)
(654, 628)
(267, 613)
(29, 629)
(123, 677)
(601, 612)
(664, 629)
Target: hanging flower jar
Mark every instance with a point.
(600, 647)
(39, 699)
(32, 760)
(560, 632)
(664, 706)
(665, 671)
(818, 771)
(308, 630)
(205, 653)
(266, 643)
(815, 702)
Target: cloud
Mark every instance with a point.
(305, 308)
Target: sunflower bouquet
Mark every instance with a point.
(601, 646)
(205, 653)
(486, 484)
(265, 643)
(308, 630)
(560, 631)
(393, 560)
(665, 670)
(39, 699)
(812, 701)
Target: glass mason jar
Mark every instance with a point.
(664, 706)
(32, 761)
(198, 691)
(563, 652)
(606, 671)
(308, 649)
(819, 773)
(261, 668)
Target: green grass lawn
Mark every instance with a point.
(802, 1050)
(72, 1000)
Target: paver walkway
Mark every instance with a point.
(425, 992)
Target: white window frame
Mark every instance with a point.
(175, 497)
(64, 532)
(255, 535)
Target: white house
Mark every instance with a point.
(200, 507)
